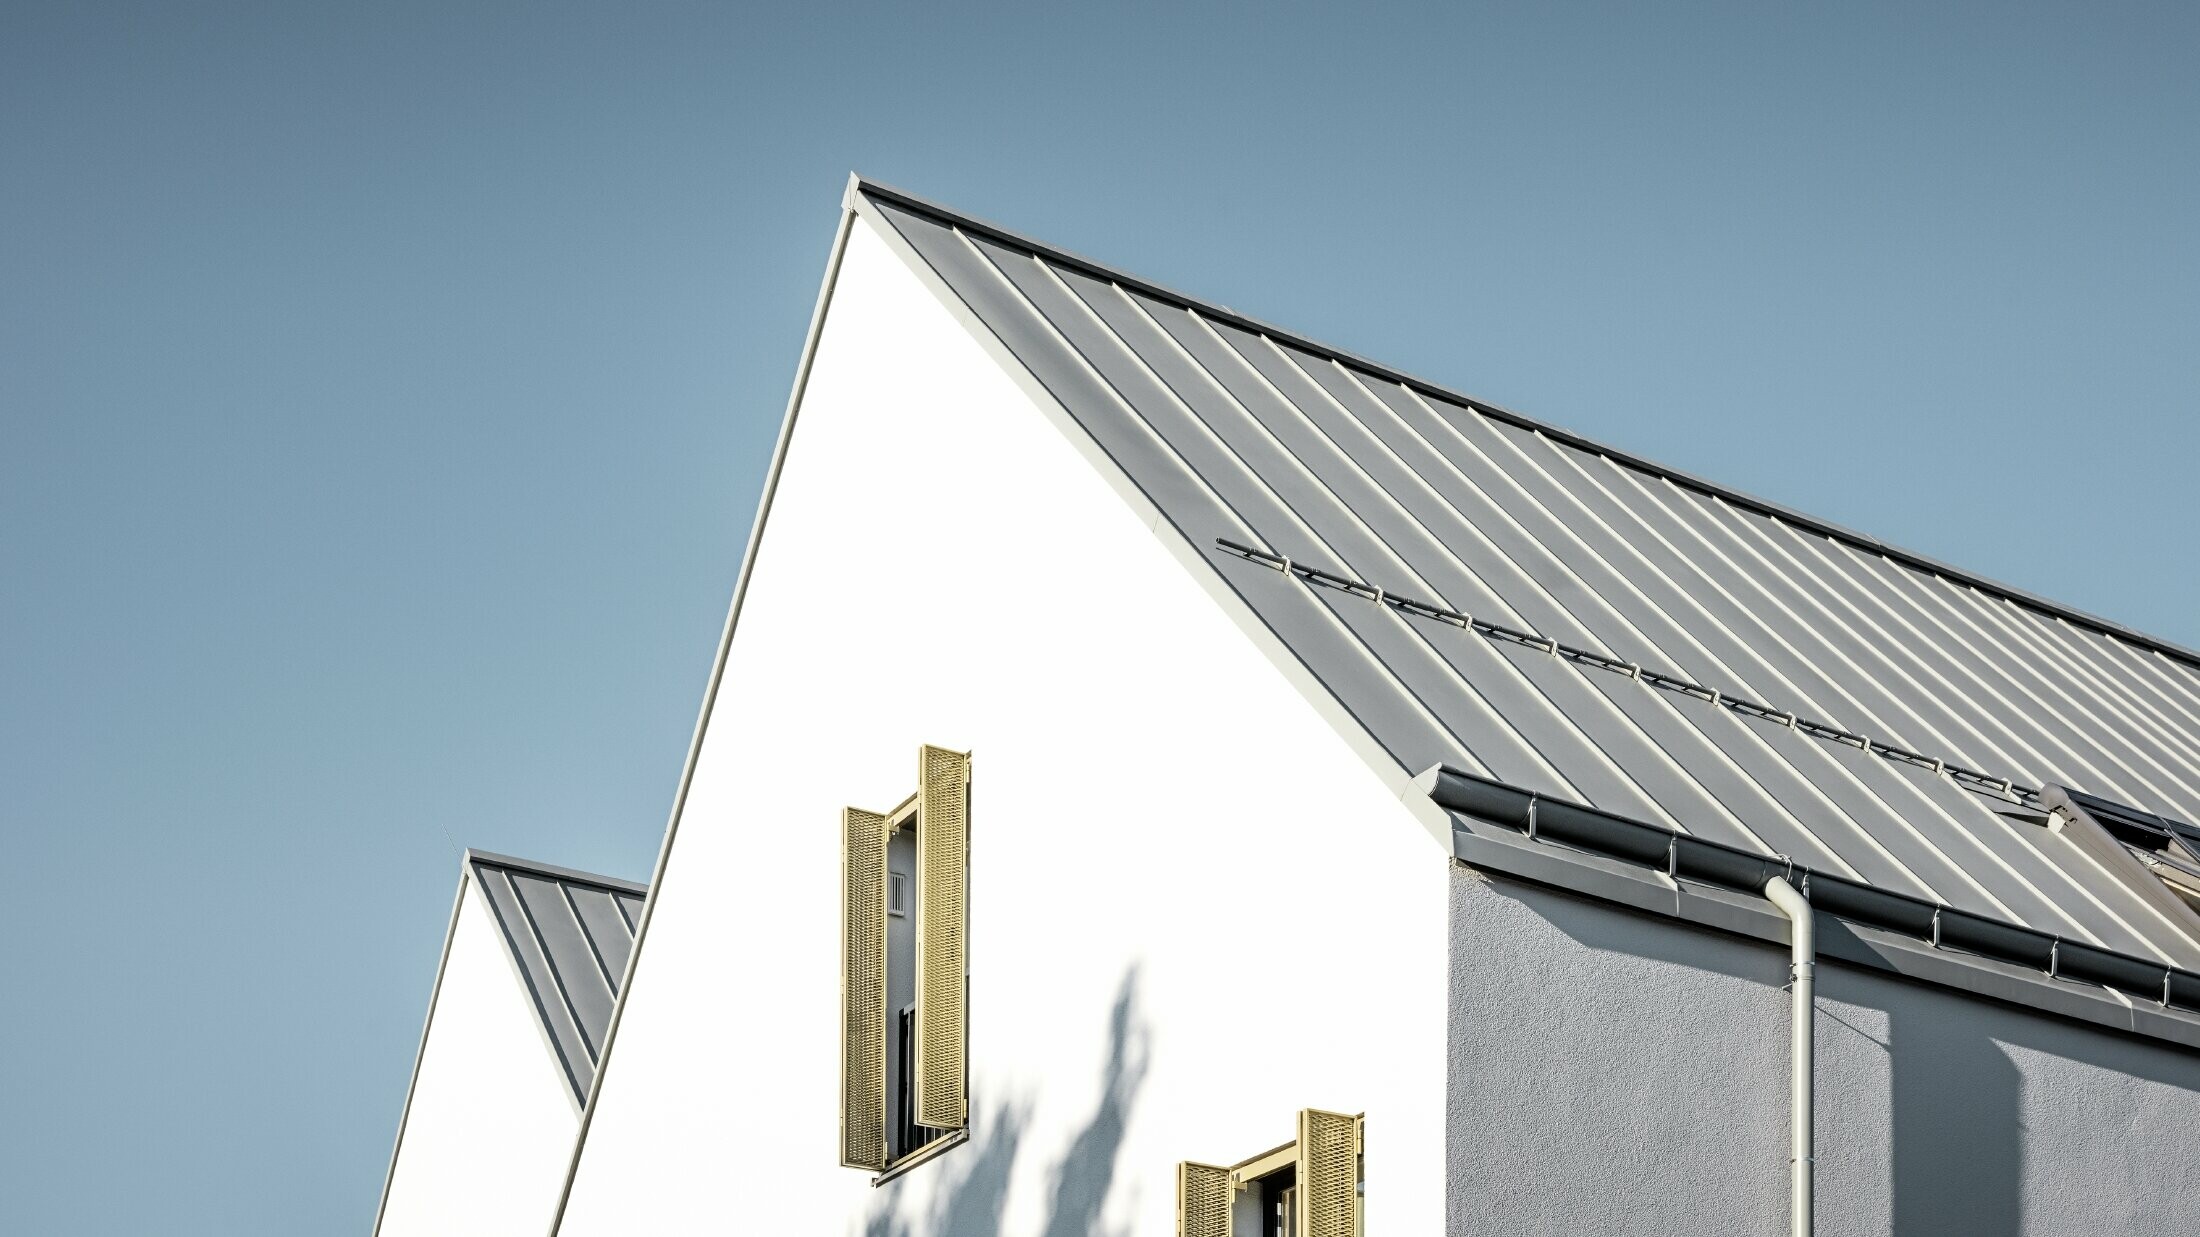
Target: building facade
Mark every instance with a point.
(1163, 775)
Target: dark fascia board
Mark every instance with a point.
(551, 870)
(859, 187)
(1585, 851)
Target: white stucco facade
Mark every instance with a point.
(1194, 909)
(488, 1129)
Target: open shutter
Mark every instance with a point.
(1204, 1196)
(1328, 1174)
(863, 989)
(943, 922)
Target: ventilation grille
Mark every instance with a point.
(863, 990)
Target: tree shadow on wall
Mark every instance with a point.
(971, 1203)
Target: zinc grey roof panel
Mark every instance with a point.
(1396, 719)
(1655, 742)
(1832, 699)
(1878, 657)
(1860, 789)
(1725, 760)
(534, 965)
(1997, 861)
(2070, 756)
(609, 937)
(2047, 686)
(2155, 740)
(2130, 679)
(564, 928)
(575, 973)
(1348, 515)
(2002, 689)
(1276, 505)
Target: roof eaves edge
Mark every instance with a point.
(1604, 873)
(859, 185)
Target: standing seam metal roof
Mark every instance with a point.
(570, 934)
(1384, 486)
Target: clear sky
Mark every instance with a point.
(385, 390)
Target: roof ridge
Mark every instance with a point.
(859, 185)
(574, 875)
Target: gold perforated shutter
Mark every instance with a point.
(863, 989)
(943, 929)
(1203, 1196)
(1329, 1174)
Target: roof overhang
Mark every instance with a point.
(1569, 846)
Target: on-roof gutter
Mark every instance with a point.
(1683, 858)
(1762, 506)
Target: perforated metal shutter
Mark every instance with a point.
(943, 877)
(863, 989)
(1329, 1174)
(1203, 1197)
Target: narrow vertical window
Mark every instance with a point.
(904, 1004)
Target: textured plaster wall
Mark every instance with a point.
(1611, 1072)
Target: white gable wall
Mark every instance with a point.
(489, 1128)
(1194, 909)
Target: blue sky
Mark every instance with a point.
(385, 391)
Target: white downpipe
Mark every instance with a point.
(1802, 968)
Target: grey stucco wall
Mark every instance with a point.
(1614, 1072)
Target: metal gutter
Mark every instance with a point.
(1578, 847)
(1679, 477)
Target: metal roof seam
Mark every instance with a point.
(2023, 732)
(1912, 559)
(595, 950)
(2096, 687)
(1180, 400)
(1175, 452)
(1944, 833)
(557, 979)
(1869, 654)
(2002, 787)
(2063, 744)
(1866, 717)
